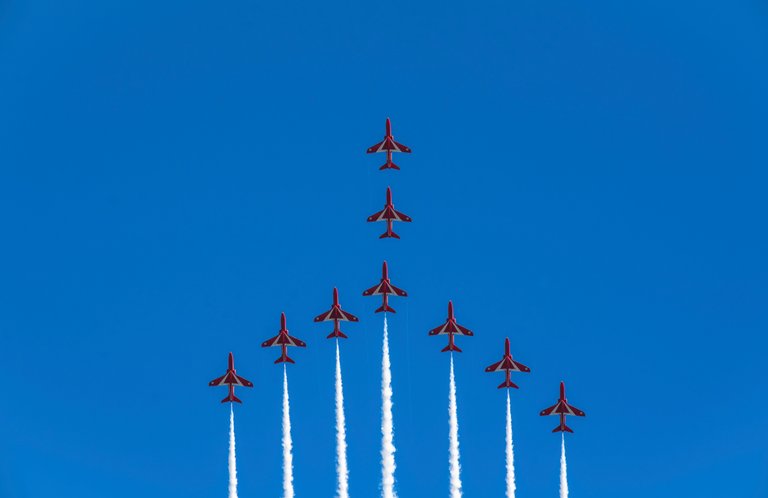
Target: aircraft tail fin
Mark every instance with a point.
(389, 165)
(385, 307)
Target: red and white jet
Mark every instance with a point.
(508, 365)
(389, 215)
(563, 409)
(450, 327)
(231, 379)
(384, 289)
(283, 340)
(389, 146)
(337, 315)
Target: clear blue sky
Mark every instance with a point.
(588, 178)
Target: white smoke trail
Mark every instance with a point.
(453, 435)
(232, 460)
(341, 433)
(510, 453)
(287, 442)
(563, 471)
(387, 429)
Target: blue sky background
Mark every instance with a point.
(588, 178)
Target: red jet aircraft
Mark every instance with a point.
(562, 408)
(231, 379)
(337, 315)
(389, 215)
(283, 340)
(389, 146)
(508, 365)
(450, 327)
(384, 289)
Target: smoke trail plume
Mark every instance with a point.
(453, 436)
(510, 453)
(232, 461)
(341, 433)
(387, 429)
(287, 442)
(563, 471)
